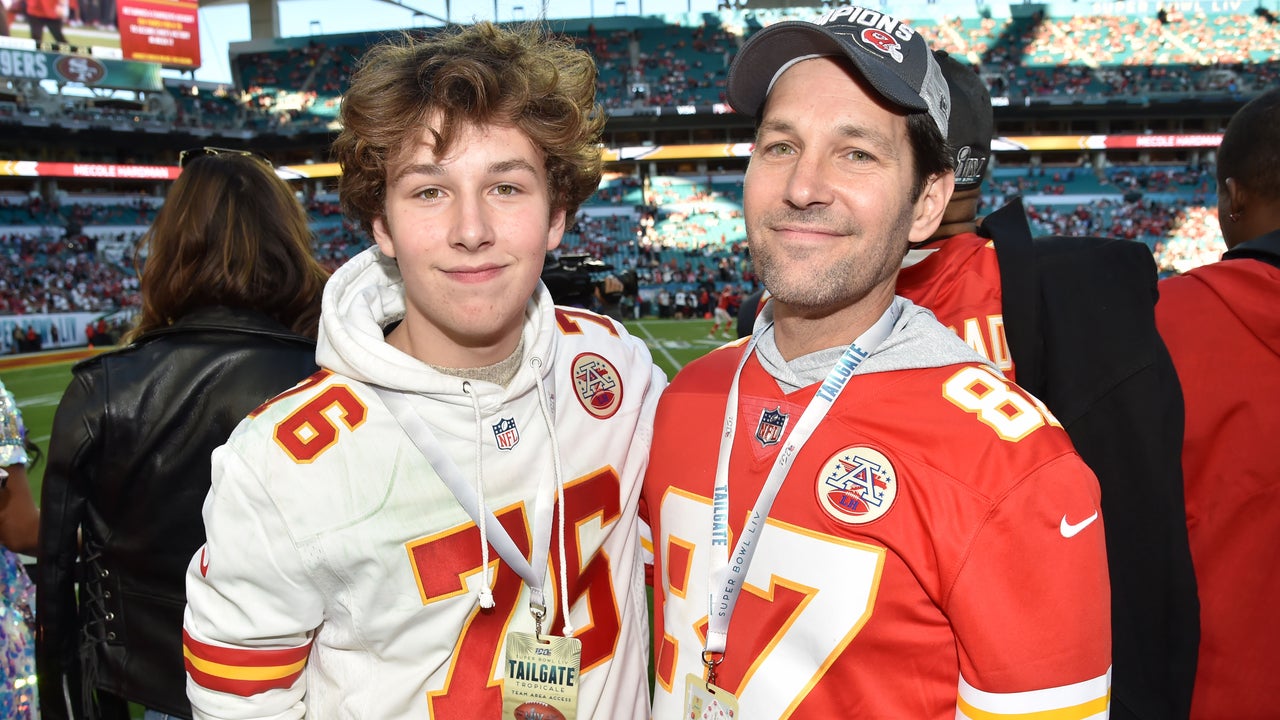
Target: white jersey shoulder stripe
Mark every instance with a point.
(1087, 700)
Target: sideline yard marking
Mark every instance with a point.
(656, 344)
(49, 358)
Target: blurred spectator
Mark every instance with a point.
(230, 302)
(19, 523)
(1221, 326)
(19, 519)
(1071, 319)
(50, 14)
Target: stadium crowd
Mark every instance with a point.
(679, 64)
(693, 241)
(683, 221)
(60, 275)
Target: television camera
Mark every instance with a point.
(574, 279)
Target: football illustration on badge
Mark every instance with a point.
(857, 486)
(597, 385)
(537, 711)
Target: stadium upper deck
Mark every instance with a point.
(656, 66)
(1089, 69)
(662, 73)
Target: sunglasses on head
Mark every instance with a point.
(190, 154)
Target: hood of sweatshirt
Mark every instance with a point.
(367, 294)
(918, 340)
(1246, 289)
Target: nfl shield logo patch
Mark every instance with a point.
(506, 433)
(772, 423)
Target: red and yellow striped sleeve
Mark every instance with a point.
(1087, 700)
(242, 671)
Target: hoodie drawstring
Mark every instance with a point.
(536, 364)
(485, 595)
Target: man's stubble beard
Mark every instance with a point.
(830, 282)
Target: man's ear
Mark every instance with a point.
(931, 204)
(1237, 195)
(382, 236)
(555, 233)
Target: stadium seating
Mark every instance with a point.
(681, 231)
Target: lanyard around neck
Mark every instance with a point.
(449, 473)
(728, 571)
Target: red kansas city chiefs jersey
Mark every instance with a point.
(958, 279)
(936, 550)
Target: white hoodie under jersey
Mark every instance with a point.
(340, 577)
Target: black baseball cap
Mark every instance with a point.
(893, 58)
(972, 122)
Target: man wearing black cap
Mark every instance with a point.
(954, 272)
(1073, 317)
(853, 514)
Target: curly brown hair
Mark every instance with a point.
(483, 74)
(231, 234)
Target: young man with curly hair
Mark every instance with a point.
(443, 521)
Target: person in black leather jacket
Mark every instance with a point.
(231, 299)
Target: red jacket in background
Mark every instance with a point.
(49, 9)
(1221, 327)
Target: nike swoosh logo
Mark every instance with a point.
(204, 559)
(1069, 530)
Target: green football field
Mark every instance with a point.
(37, 389)
(77, 36)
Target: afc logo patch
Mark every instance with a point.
(506, 433)
(597, 385)
(772, 423)
(857, 486)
